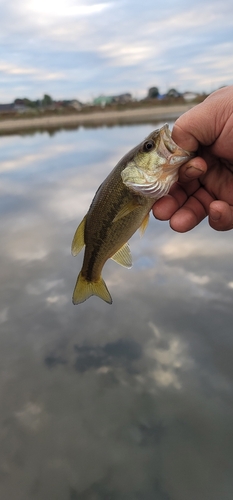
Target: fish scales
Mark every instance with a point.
(107, 236)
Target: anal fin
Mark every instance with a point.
(123, 256)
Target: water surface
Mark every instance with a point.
(132, 401)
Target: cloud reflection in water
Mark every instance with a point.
(132, 401)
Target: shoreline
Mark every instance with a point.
(136, 115)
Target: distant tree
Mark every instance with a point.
(47, 100)
(27, 102)
(18, 101)
(153, 92)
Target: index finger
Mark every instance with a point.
(203, 123)
(193, 169)
(165, 207)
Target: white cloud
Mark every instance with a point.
(169, 360)
(178, 248)
(62, 8)
(31, 416)
(28, 160)
(26, 253)
(191, 17)
(83, 48)
(59, 300)
(32, 72)
(41, 286)
(199, 280)
(4, 315)
(125, 54)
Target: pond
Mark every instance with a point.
(129, 401)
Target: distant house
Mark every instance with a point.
(7, 108)
(122, 98)
(190, 96)
(76, 104)
(20, 106)
(173, 93)
(102, 100)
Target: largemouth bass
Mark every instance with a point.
(121, 205)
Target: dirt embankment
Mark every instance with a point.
(151, 114)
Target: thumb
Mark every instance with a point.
(220, 216)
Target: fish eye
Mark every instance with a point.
(148, 146)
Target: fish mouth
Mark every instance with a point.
(174, 154)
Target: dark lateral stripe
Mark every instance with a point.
(101, 237)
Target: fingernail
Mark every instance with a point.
(215, 214)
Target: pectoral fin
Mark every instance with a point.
(123, 256)
(78, 240)
(126, 210)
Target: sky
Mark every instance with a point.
(83, 48)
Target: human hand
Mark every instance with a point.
(205, 185)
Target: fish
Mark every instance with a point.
(122, 205)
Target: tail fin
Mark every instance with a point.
(85, 289)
